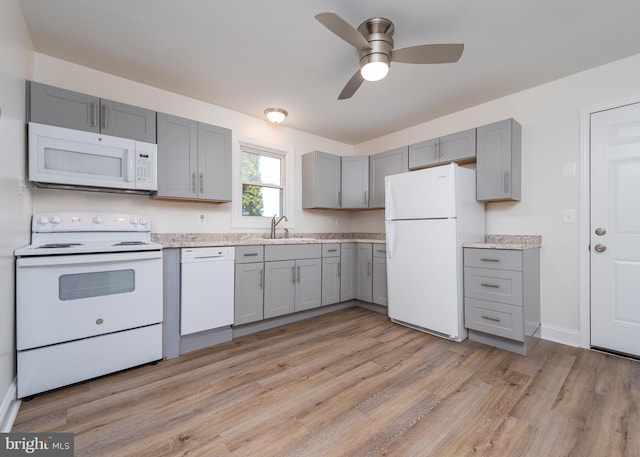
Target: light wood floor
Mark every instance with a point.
(352, 383)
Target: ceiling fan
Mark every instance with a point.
(374, 41)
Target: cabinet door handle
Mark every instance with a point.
(93, 114)
(193, 183)
(339, 268)
(260, 276)
(484, 259)
(293, 275)
(506, 182)
(365, 198)
(368, 268)
(440, 154)
(339, 198)
(495, 286)
(298, 274)
(105, 123)
(202, 183)
(490, 318)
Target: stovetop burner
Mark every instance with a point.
(59, 245)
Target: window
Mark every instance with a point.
(262, 188)
(262, 183)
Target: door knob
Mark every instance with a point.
(600, 231)
(600, 248)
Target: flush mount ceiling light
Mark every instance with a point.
(275, 115)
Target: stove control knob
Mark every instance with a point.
(55, 220)
(97, 220)
(143, 221)
(134, 221)
(43, 220)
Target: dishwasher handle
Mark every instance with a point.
(208, 254)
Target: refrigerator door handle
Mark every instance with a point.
(388, 204)
(390, 239)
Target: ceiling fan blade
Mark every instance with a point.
(343, 29)
(428, 53)
(352, 86)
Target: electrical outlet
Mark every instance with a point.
(21, 184)
(202, 218)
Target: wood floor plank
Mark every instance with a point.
(352, 383)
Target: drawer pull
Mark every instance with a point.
(490, 318)
(490, 260)
(495, 286)
(381, 250)
(332, 250)
(251, 254)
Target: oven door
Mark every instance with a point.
(68, 297)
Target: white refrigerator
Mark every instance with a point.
(428, 215)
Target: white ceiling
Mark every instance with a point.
(248, 55)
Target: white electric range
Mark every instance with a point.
(88, 298)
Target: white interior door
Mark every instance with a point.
(615, 229)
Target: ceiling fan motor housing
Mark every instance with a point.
(378, 31)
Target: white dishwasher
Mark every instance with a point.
(206, 288)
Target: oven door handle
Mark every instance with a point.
(84, 259)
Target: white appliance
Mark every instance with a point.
(88, 299)
(206, 289)
(428, 215)
(67, 158)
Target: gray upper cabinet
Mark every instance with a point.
(64, 108)
(194, 160)
(385, 164)
(355, 182)
(498, 163)
(320, 180)
(456, 147)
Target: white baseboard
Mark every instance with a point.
(9, 409)
(561, 335)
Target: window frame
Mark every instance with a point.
(286, 154)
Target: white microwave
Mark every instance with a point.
(74, 159)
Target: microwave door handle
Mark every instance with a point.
(130, 158)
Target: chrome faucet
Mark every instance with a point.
(274, 223)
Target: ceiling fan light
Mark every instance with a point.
(275, 115)
(374, 71)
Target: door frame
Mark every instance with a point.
(585, 213)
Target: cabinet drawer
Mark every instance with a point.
(494, 318)
(247, 254)
(503, 286)
(379, 250)
(331, 250)
(500, 259)
(292, 252)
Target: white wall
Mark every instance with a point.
(172, 216)
(16, 57)
(550, 118)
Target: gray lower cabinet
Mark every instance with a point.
(347, 271)
(249, 285)
(364, 272)
(330, 274)
(502, 297)
(498, 163)
(456, 147)
(293, 276)
(379, 275)
(194, 160)
(74, 110)
(385, 164)
(320, 180)
(355, 182)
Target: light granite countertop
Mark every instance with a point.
(513, 242)
(190, 240)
